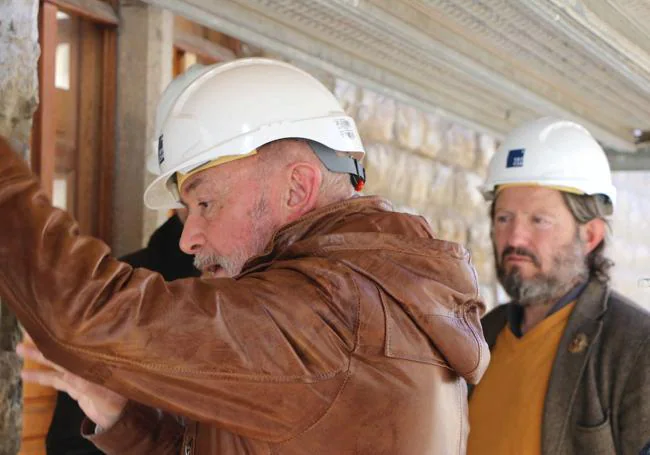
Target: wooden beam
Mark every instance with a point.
(44, 128)
(95, 10)
(89, 140)
(202, 47)
(107, 142)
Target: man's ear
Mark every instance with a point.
(592, 233)
(304, 189)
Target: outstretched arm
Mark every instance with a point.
(228, 352)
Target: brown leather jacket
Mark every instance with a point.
(351, 335)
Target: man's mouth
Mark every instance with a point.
(517, 258)
(214, 270)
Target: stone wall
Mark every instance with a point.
(428, 165)
(19, 53)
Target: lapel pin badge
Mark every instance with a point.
(578, 344)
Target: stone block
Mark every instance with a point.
(461, 147)
(421, 177)
(409, 127)
(487, 146)
(408, 179)
(397, 180)
(384, 167)
(376, 117)
(469, 201)
(442, 186)
(435, 133)
(480, 245)
(452, 229)
(348, 95)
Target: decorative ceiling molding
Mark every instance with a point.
(490, 65)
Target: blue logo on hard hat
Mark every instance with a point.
(515, 158)
(161, 151)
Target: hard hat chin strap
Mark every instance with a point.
(339, 162)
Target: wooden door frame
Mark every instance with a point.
(103, 14)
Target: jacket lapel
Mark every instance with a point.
(583, 328)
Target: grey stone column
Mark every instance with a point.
(144, 69)
(18, 100)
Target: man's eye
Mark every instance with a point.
(204, 204)
(541, 221)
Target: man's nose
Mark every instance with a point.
(193, 236)
(519, 233)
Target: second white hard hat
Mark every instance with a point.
(553, 153)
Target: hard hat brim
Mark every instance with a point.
(588, 188)
(325, 130)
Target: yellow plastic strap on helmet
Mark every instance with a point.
(566, 189)
(181, 178)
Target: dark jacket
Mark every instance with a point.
(598, 399)
(162, 254)
(353, 333)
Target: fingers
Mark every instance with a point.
(30, 352)
(57, 377)
(48, 379)
(65, 382)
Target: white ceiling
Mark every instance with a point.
(490, 64)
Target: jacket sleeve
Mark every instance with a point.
(139, 430)
(634, 411)
(262, 356)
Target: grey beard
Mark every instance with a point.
(234, 263)
(231, 265)
(569, 268)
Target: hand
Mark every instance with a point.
(100, 405)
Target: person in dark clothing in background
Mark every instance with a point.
(162, 255)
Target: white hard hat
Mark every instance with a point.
(553, 153)
(231, 109)
(165, 103)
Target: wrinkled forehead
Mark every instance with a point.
(220, 182)
(207, 183)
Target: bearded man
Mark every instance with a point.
(570, 369)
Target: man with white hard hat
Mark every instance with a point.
(329, 325)
(570, 369)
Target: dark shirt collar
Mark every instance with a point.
(516, 311)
